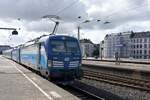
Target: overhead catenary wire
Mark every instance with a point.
(63, 9)
(127, 10)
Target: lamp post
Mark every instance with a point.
(14, 32)
(55, 19)
(86, 21)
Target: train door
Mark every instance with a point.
(42, 59)
(38, 57)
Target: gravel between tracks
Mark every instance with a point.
(124, 92)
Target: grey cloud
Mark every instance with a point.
(135, 10)
(44, 26)
(35, 9)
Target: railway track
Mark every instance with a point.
(117, 80)
(81, 93)
(122, 61)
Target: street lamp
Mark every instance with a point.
(55, 19)
(86, 21)
(14, 32)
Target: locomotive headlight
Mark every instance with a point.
(49, 63)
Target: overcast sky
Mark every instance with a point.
(124, 15)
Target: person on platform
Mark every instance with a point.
(117, 58)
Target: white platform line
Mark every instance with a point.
(48, 96)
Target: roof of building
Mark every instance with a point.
(140, 34)
(86, 41)
(4, 46)
(119, 34)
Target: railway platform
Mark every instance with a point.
(122, 66)
(19, 83)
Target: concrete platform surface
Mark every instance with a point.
(128, 66)
(18, 83)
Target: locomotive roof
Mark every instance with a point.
(44, 38)
(53, 36)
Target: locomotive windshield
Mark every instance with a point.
(65, 46)
(58, 46)
(72, 46)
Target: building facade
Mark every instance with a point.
(140, 45)
(117, 43)
(87, 47)
(128, 44)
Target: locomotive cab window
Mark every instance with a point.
(65, 46)
(72, 46)
(58, 46)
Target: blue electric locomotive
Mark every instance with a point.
(57, 57)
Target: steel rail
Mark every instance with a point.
(117, 80)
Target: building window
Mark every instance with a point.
(140, 45)
(145, 45)
(140, 51)
(137, 52)
(137, 46)
(145, 40)
(145, 52)
(133, 46)
(137, 40)
(134, 40)
(140, 40)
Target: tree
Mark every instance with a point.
(96, 52)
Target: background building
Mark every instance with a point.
(87, 47)
(127, 44)
(117, 42)
(140, 45)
